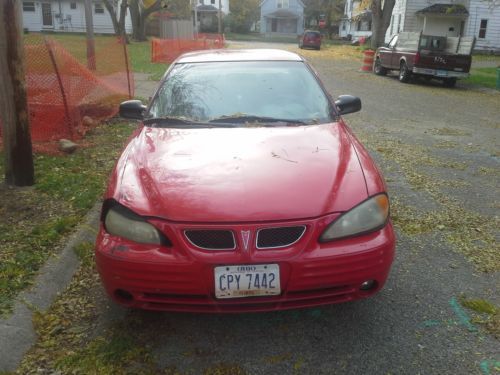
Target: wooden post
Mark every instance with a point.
(14, 114)
(89, 22)
(220, 17)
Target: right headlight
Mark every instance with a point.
(368, 216)
(122, 222)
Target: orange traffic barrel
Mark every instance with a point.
(368, 60)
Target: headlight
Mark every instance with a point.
(122, 222)
(369, 216)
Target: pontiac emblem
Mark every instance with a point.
(245, 236)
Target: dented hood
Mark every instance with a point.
(239, 174)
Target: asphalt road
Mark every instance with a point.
(416, 324)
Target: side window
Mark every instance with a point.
(482, 29)
(393, 41)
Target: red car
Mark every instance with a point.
(311, 39)
(241, 190)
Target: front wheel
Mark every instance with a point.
(404, 73)
(378, 69)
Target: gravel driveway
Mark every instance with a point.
(438, 149)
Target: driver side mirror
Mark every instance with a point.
(132, 109)
(348, 104)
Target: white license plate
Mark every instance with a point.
(247, 280)
(441, 73)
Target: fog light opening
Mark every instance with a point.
(368, 285)
(123, 296)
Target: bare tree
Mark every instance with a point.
(118, 11)
(19, 168)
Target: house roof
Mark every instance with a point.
(207, 8)
(445, 10)
(282, 13)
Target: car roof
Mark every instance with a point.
(238, 55)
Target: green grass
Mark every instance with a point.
(139, 52)
(486, 77)
(66, 187)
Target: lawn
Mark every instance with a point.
(486, 77)
(34, 220)
(139, 52)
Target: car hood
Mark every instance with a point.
(239, 174)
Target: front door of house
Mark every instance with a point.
(47, 20)
(274, 25)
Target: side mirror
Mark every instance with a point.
(348, 104)
(133, 109)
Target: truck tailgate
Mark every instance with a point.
(442, 61)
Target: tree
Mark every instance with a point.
(332, 10)
(19, 168)
(118, 19)
(140, 10)
(244, 13)
(381, 19)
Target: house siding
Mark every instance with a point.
(66, 19)
(410, 21)
(348, 26)
(270, 6)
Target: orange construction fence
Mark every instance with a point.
(62, 90)
(167, 50)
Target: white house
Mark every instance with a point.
(208, 11)
(356, 22)
(478, 18)
(285, 17)
(67, 16)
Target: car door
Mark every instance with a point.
(385, 52)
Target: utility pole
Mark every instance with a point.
(89, 21)
(19, 170)
(220, 17)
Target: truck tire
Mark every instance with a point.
(449, 82)
(404, 73)
(378, 69)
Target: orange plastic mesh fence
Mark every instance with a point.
(62, 91)
(167, 50)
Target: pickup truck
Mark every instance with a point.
(415, 54)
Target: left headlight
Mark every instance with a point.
(122, 222)
(369, 216)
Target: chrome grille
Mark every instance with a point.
(209, 239)
(272, 238)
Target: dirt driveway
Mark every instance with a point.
(438, 149)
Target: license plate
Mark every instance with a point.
(247, 280)
(441, 73)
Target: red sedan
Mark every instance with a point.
(243, 189)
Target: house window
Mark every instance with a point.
(399, 23)
(282, 4)
(392, 24)
(28, 6)
(482, 29)
(212, 1)
(98, 8)
(343, 25)
(72, 5)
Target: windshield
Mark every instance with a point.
(257, 92)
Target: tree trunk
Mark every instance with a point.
(19, 168)
(139, 16)
(118, 21)
(381, 19)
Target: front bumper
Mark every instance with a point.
(182, 279)
(440, 73)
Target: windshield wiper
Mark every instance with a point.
(170, 121)
(236, 119)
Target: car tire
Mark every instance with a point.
(404, 73)
(449, 82)
(318, 48)
(378, 69)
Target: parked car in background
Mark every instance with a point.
(242, 190)
(417, 55)
(310, 39)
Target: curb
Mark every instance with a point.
(17, 333)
